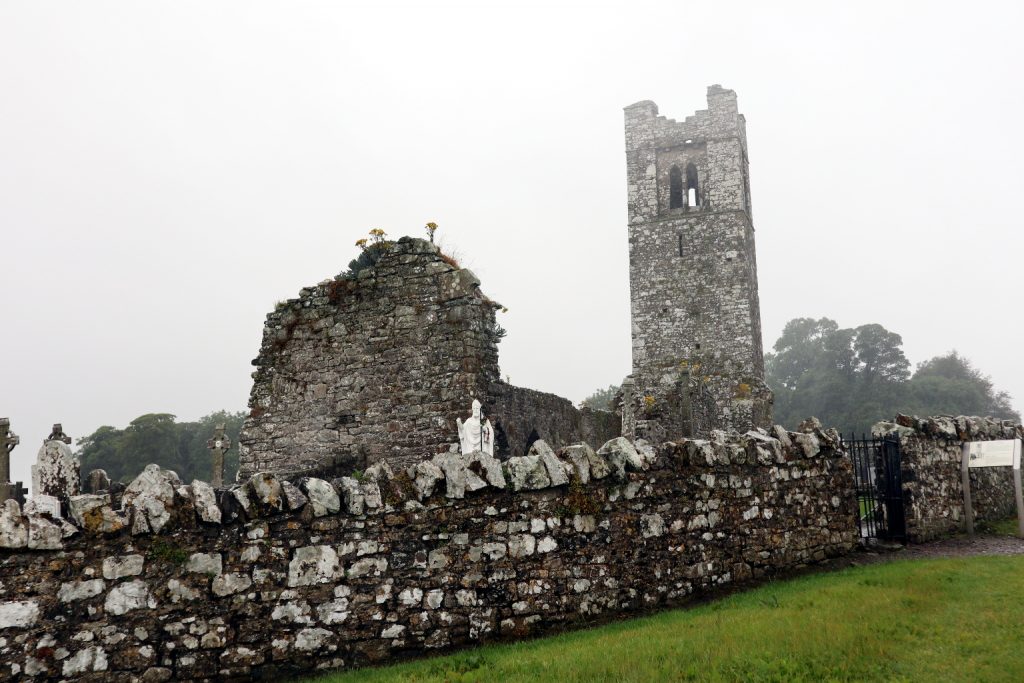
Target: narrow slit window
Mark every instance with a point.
(675, 188)
(680, 245)
(692, 186)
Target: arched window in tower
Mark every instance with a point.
(692, 187)
(675, 188)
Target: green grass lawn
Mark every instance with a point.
(924, 620)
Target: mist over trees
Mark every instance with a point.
(602, 399)
(851, 378)
(159, 438)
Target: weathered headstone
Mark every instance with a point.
(218, 445)
(8, 440)
(56, 472)
(97, 481)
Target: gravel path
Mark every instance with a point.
(957, 546)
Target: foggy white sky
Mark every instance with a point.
(169, 170)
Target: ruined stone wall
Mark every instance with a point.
(693, 268)
(524, 415)
(378, 365)
(931, 452)
(278, 580)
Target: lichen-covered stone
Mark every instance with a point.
(230, 583)
(44, 534)
(528, 473)
(621, 456)
(13, 527)
(265, 489)
(323, 499)
(120, 566)
(311, 565)
(150, 497)
(128, 596)
(80, 590)
(205, 563)
(352, 495)
(204, 498)
(427, 476)
(18, 614)
(294, 499)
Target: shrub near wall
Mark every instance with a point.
(450, 552)
(931, 450)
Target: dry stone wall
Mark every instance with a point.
(931, 452)
(272, 578)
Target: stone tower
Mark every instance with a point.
(698, 362)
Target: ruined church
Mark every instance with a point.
(379, 362)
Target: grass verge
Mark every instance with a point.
(925, 620)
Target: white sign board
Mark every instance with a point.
(993, 453)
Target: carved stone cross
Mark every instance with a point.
(218, 445)
(8, 440)
(57, 434)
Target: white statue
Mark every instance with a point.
(476, 434)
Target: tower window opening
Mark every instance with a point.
(680, 245)
(675, 188)
(692, 186)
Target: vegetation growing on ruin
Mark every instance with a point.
(949, 620)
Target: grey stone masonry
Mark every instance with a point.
(454, 551)
(378, 364)
(693, 268)
(370, 366)
(930, 450)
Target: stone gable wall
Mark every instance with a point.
(931, 451)
(378, 365)
(369, 367)
(270, 579)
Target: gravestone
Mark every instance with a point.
(97, 481)
(8, 440)
(218, 445)
(55, 476)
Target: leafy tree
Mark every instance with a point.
(854, 377)
(602, 399)
(158, 438)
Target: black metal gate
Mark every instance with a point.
(879, 488)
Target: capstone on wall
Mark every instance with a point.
(931, 453)
(693, 268)
(377, 365)
(273, 579)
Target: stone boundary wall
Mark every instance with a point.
(275, 579)
(931, 451)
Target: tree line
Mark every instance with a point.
(851, 378)
(159, 438)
